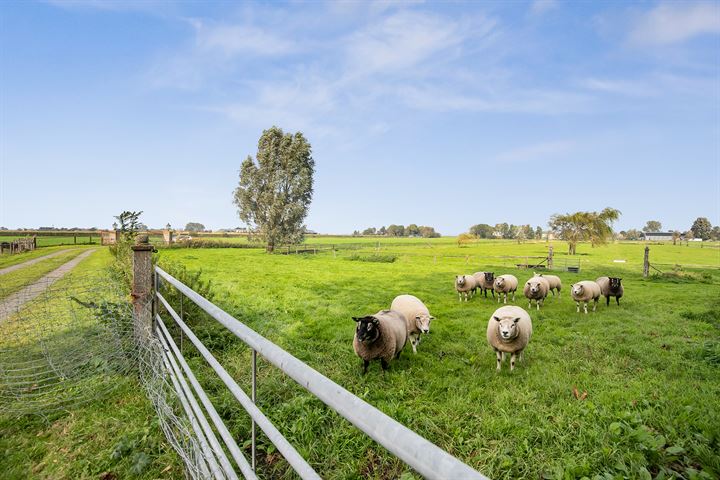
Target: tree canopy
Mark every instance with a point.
(595, 227)
(275, 189)
(701, 228)
(194, 227)
(652, 226)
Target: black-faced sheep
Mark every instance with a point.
(537, 289)
(509, 331)
(611, 287)
(553, 280)
(505, 284)
(465, 286)
(585, 291)
(485, 282)
(417, 317)
(380, 336)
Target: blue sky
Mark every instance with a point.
(445, 114)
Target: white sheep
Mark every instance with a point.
(553, 280)
(380, 336)
(611, 287)
(505, 284)
(537, 289)
(485, 282)
(465, 286)
(585, 291)
(509, 331)
(417, 317)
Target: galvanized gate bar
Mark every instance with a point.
(190, 415)
(216, 451)
(217, 421)
(284, 447)
(423, 456)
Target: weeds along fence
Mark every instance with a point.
(212, 445)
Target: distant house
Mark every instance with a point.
(657, 236)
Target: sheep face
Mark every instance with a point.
(422, 322)
(534, 287)
(460, 280)
(489, 278)
(367, 330)
(507, 327)
(499, 282)
(577, 290)
(614, 284)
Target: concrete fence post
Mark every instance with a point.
(646, 262)
(142, 287)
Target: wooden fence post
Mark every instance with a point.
(142, 287)
(646, 262)
(550, 257)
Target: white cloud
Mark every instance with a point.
(406, 39)
(539, 7)
(231, 40)
(544, 152)
(670, 23)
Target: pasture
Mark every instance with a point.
(651, 367)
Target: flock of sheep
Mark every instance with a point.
(383, 335)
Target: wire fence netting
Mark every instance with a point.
(67, 343)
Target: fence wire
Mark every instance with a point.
(72, 343)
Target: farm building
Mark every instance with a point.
(657, 236)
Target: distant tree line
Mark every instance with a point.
(701, 228)
(506, 231)
(393, 230)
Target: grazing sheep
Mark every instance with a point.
(465, 286)
(380, 336)
(611, 287)
(553, 280)
(505, 284)
(485, 282)
(509, 330)
(537, 289)
(417, 317)
(585, 291)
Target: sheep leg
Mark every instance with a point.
(414, 340)
(512, 361)
(521, 356)
(537, 304)
(459, 296)
(493, 293)
(529, 304)
(585, 306)
(617, 299)
(513, 298)
(499, 359)
(365, 366)
(607, 302)
(578, 306)
(384, 364)
(595, 302)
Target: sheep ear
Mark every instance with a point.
(417, 317)
(432, 318)
(375, 320)
(496, 319)
(516, 320)
(357, 319)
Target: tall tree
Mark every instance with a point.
(538, 232)
(412, 230)
(595, 227)
(396, 230)
(701, 228)
(275, 191)
(194, 227)
(652, 226)
(482, 230)
(428, 232)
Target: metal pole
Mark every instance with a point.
(254, 396)
(182, 298)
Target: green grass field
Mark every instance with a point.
(115, 436)
(17, 279)
(53, 240)
(651, 367)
